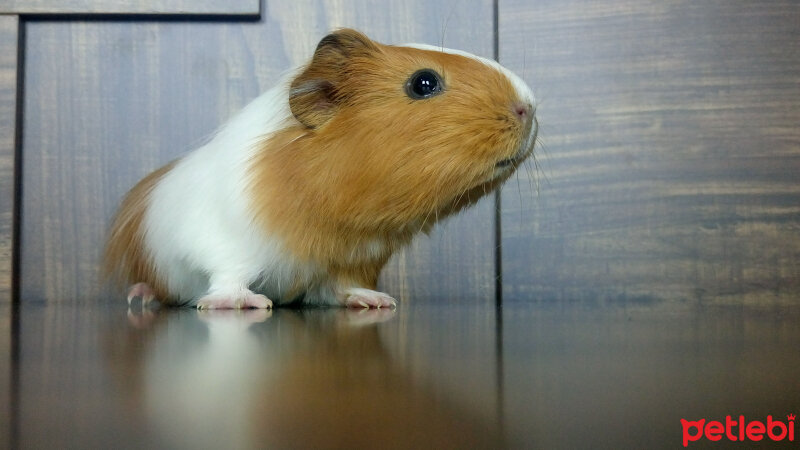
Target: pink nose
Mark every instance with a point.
(522, 110)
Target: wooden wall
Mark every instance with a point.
(131, 7)
(9, 29)
(671, 151)
(109, 99)
(668, 167)
(9, 26)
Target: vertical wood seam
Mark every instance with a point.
(16, 186)
(498, 251)
(16, 226)
(498, 264)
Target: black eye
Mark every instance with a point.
(423, 84)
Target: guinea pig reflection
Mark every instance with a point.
(316, 378)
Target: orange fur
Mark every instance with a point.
(125, 258)
(368, 164)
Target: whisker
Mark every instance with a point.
(444, 25)
(540, 168)
(519, 193)
(425, 220)
(533, 180)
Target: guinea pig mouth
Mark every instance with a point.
(508, 162)
(525, 151)
(526, 148)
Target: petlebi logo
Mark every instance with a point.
(738, 430)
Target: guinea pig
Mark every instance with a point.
(305, 194)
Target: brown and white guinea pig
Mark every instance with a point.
(307, 192)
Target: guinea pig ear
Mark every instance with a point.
(314, 95)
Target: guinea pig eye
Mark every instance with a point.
(423, 84)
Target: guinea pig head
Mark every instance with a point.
(395, 136)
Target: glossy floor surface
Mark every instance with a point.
(536, 375)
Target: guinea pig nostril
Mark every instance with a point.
(522, 110)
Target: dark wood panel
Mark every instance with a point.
(107, 102)
(7, 405)
(8, 113)
(8, 110)
(227, 7)
(671, 150)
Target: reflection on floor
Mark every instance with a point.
(423, 376)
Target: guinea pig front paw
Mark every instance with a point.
(365, 298)
(240, 299)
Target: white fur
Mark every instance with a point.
(199, 220)
(199, 228)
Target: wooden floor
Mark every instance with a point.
(539, 375)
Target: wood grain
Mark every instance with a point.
(9, 34)
(8, 113)
(92, 377)
(107, 102)
(671, 151)
(565, 362)
(205, 7)
(6, 388)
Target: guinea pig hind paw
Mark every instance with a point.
(238, 300)
(142, 290)
(366, 298)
